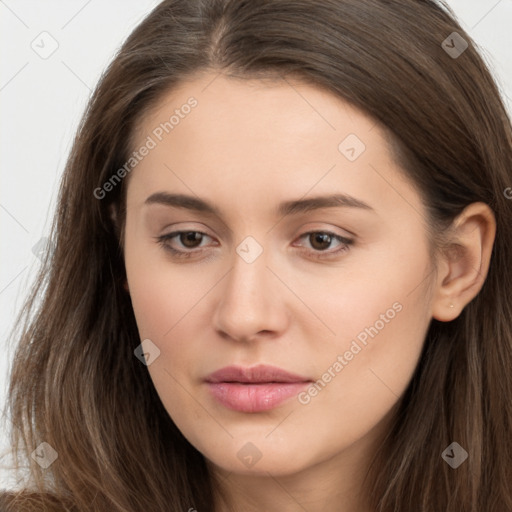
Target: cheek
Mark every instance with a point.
(151, 302)
(380, 322)
(167, 312)
(161, 292)
(166, 293)
(169, 307)
(355, 392)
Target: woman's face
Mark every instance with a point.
(260, 277)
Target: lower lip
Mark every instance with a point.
(254, 397)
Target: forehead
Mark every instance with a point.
(260, 139)
(258, 106)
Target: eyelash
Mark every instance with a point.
(163, 241)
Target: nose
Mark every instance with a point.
(251, 302)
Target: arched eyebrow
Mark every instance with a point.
(286, 208)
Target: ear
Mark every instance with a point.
(112, 209)
(463, 268)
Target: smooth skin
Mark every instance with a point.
(246, 147)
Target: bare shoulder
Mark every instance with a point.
(29, 501)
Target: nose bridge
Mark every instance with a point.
(248, 303)
(248, 276)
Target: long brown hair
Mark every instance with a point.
(75, 383)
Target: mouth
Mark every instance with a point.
(254, 389)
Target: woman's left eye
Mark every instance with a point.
(320, 239)
(319, 242)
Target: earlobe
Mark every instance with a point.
(466, 264)
(113, 213)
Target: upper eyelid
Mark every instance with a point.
(310, 230)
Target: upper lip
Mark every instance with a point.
(254, 374)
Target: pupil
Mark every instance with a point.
(322, 238)
(189, 238)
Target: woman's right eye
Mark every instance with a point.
(188, 240)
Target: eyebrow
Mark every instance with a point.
(291, 207)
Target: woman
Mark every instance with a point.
(336, 335)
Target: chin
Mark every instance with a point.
(249, 460)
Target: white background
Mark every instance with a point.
(42, 100)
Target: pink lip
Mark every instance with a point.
(254, 389)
